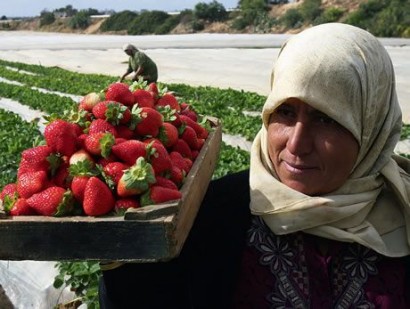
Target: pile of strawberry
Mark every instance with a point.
(126, 146)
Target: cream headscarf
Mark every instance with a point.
(346, 73)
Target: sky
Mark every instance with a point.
(31, 8)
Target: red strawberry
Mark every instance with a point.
(53, 201)
(61, 137)
(201, 132)
(189, 135)
(143, 98)
(177, 121)
(81, 140)
(115, 170)
(168, 134)
(189, 163)
(80, 156)
(158, 157)
(121, 205)
(146, 121)
(61, 177)
(124, 132)
(99, 144)
(119, 92)
(179, 161)
(36, 157)
(30, 183)
(104, 161)
(129, 151)
(99, 125)
(195, 154)
(78, 187)
(153, 89)
(78, 130)
(113, 112)
(187, 110)
(18, 207)
(183, 148)
(90, 100)
(177, 175)
(9, 190)
(169, 99)
(98, 198)
(157, 195)
(136, 179)
(165, 182)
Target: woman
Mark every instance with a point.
(326, 222)
(140, 64)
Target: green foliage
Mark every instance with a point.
(11, 145)
(254, 14)
(231, 159)
(46, 18)
(168, 25)
(68, 10)
(118, 21)
(252, 5)
(292, 18)
(197, 25)
(54, 78)
(147, 22)
(81, 20)
(310, 10)
(5, 26)
(329, 15)
(211, 12)
(83, 278)
(405, 132)
(387, 18)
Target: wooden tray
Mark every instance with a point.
(149, 234)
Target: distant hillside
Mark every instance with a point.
(382, 18)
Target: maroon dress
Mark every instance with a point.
(291, 272)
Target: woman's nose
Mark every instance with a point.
(300, 140)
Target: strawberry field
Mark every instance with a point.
(29, 92)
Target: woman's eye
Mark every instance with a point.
(285, 112)
(325, 119)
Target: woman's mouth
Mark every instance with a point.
(298, 168)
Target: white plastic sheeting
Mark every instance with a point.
(29, 284)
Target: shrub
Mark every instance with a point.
(329, 15)
(170, 23)
(81, 20)
(212, 12)
(239, 23)
(118, 21)
(197, 25)
(387, 18)
(147, 22)
(310, 10)
(291, 19)
(46, 18)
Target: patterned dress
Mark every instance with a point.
(291, 271)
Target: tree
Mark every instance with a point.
(46, 18)
(212, 12)
(81, 20)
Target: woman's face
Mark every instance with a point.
(311, 153)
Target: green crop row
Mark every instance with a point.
(226, 104)
(15, 136)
